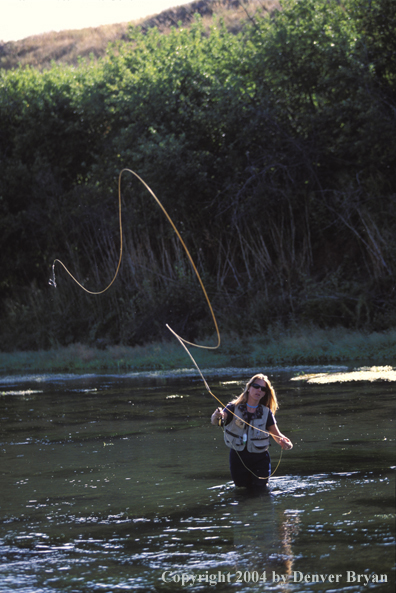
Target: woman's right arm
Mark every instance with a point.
(218, 416)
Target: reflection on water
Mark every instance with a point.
(120, 483)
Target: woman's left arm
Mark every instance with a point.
(280, 438)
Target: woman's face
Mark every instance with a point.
(255, 392)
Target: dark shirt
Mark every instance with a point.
(270, 420)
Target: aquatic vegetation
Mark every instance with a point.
(276, 347)
(387, 373)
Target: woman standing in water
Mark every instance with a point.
(247, 421)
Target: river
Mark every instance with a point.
(119, 482)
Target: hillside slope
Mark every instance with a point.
(69, 46)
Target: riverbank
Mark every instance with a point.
(277, 347)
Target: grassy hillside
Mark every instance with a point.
(69, 46)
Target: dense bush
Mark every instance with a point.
(273, 150)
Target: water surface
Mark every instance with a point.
(113, 483)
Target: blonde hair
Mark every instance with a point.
(268, 399)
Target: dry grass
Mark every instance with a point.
(67, 47)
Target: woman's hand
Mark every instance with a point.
(218, 415)
(286, 443)
(280, 438)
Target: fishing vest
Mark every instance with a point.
(237, 434)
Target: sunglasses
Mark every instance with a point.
(257, 386)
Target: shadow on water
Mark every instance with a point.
(113, 483)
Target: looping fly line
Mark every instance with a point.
(182, 341)
(52, 281)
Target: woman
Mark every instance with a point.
(248, 420)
